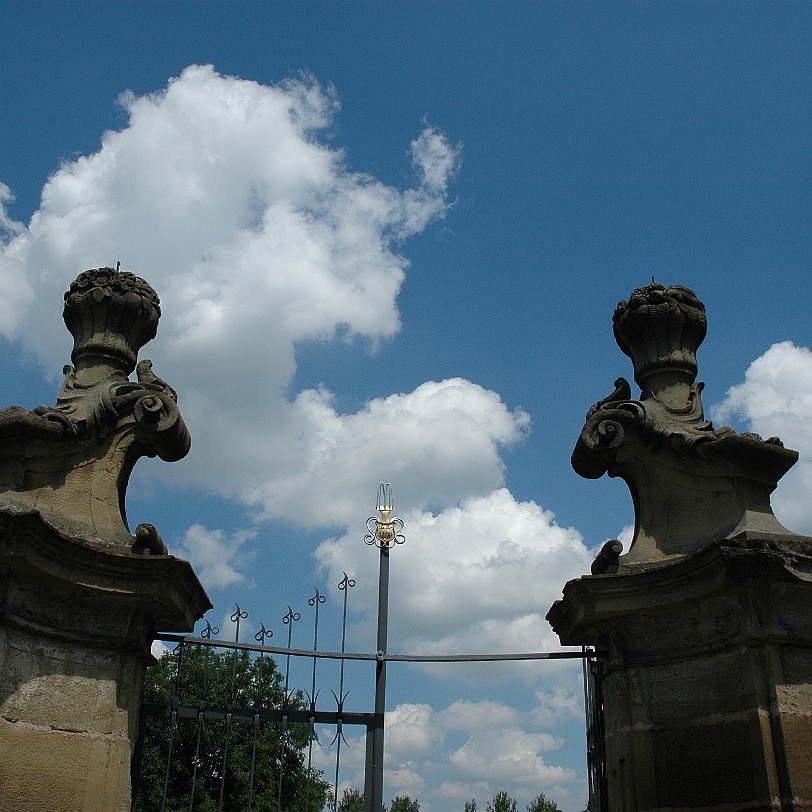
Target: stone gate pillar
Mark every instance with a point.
(81, 597)
(707, 619)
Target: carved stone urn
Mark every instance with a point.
(81, 597)
(71, 462)
(690, 483)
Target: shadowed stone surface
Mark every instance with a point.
(81, 598)
(706, 620)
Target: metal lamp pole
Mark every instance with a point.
(384, 533)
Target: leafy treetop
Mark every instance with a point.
(263, 762)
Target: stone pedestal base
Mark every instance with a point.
(77, 620)
(708, 689)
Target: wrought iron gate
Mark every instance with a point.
(245, 713)
(306, 714)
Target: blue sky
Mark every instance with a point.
(388, 239)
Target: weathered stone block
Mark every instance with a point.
(44, 768)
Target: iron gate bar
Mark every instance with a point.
(484, 658)
(593, 670)
(402, 658)
(167, 709)
(345, 586)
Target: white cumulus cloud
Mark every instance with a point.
(227, 197)
(217, 557)
(510, 755)
(474, 577)
(439, 443)
(775, 399)
(502, 747)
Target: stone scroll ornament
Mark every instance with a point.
(691, 483)
(71, 462)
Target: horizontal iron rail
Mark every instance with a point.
(484, 658)
(380, 656)
(166, 709)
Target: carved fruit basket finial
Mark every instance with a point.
(71, 462)
(111, 314)
(691, 484)
(660, 329)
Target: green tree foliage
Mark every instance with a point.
(501, 802)
(351, 801)
(403, 803)
(212, 679)
(542, 804)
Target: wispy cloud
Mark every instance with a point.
(218, 558)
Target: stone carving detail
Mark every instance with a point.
(691, 483)
(71, 461)
(660, 329)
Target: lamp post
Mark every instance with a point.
(384, 533)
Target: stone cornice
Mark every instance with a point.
(744, 584)
(79, 590)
